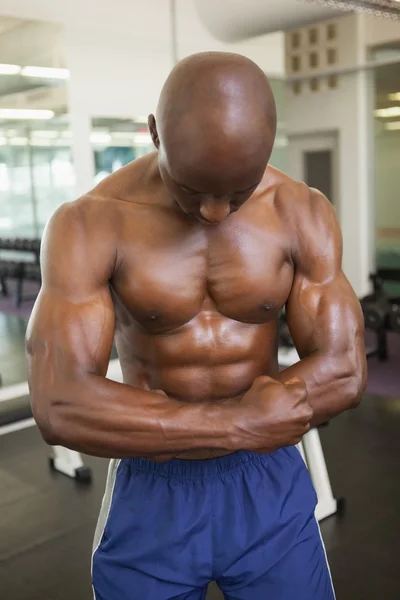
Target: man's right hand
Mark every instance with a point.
(273, 415)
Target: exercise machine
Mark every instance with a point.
(16, 414)
(311, 450)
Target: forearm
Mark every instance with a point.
(109, 419)
(334, 384)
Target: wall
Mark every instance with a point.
(381, 31)
(345, 110)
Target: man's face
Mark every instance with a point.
(209, 204)
(210, 180)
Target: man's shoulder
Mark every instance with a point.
(133, 183)
(117, 198)
(294, 199)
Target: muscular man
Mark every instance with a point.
(185, 258)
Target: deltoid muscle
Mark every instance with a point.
(381, 8)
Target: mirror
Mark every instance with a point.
(36, 171)
(116, 142)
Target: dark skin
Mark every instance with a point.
(186, 257)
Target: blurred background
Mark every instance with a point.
(77, 82)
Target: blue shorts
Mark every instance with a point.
(245, 520)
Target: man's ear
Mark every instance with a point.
(153, 131)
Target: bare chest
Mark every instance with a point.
(240, 272)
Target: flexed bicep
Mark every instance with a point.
(71, 328)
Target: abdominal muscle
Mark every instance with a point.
(206, 384)
(211, 359)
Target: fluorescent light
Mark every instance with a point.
(10, 69)
(142, 139)
(49, 134)
(3, 141)
(395, 96)
(62, 142)
(100, 138)
(393, 111)
(18, 141)
(46, 72)
(21, 113)
(393, 126)
(66, 134)
(123, 135)
(42, 142)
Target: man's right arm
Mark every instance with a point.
(68, 347)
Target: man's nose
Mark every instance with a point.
(215, 209)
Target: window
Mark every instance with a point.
(296, 87)
(313, 35)
(331, 31)
(331, 56)
(295, 64)
(313, 59)
(333, 81)
(314, 84)
(295, 39)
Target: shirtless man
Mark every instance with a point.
(185, 258)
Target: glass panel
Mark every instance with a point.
(36, 173)
(116, 142)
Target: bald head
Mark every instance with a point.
(215, 123)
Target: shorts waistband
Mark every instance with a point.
(194, 469)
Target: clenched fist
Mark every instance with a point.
(272, 415)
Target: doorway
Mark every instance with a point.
(312, 158)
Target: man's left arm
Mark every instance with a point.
(324, 315)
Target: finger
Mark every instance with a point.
(295, 381)
(161, 392)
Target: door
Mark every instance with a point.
(313, 159)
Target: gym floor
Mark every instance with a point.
(47, 520)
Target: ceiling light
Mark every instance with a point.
(10, 69)
(3, 141)
(42, 142)
(100, 138)
(142, 139)
(22, 113)
(123, 135)
(66, 134)
(46, 72)
(62, 142)
(19, 141)
(396, 95)
(142, 120)
(393, 111)
(45, 134)
(393, 126)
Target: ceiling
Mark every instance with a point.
(28, 43)
(234, 20)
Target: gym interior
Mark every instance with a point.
(77, 81)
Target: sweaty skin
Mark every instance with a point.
(185, 258)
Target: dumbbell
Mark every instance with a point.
(376, 309)
(395, 314)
